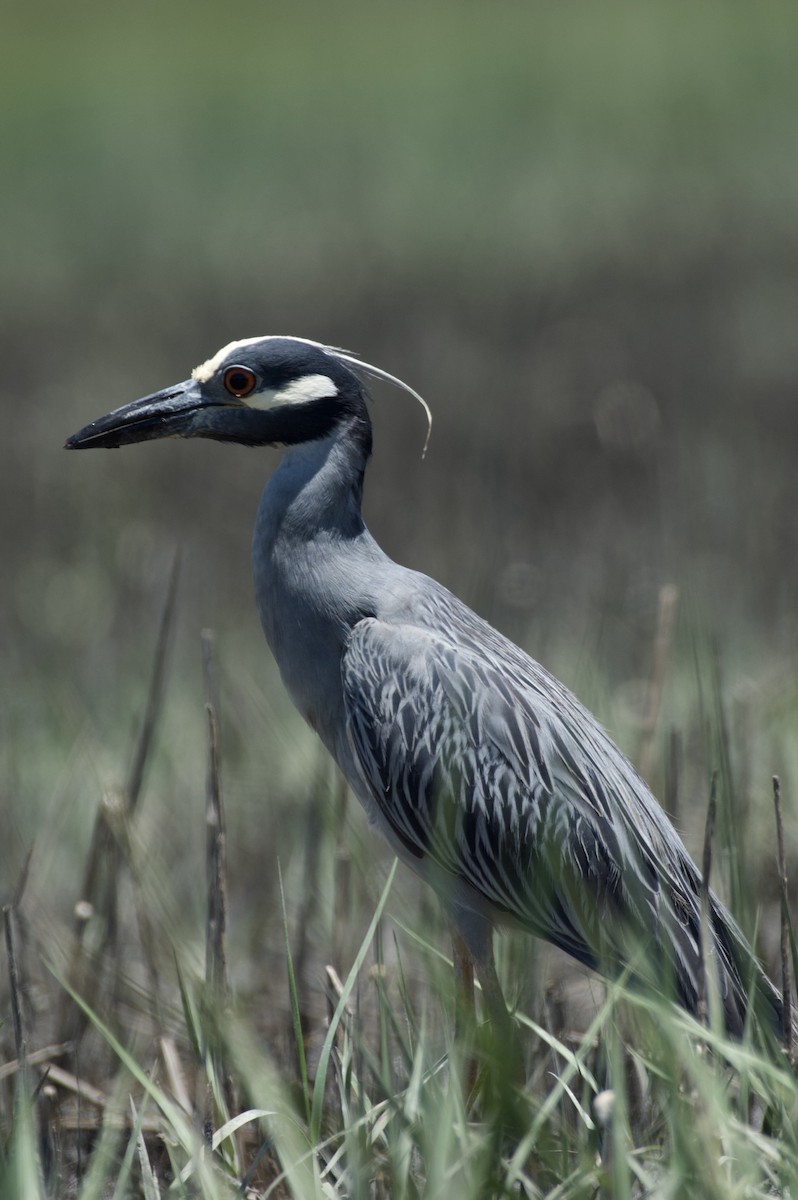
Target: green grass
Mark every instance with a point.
(687, 1114)
(287, 1092)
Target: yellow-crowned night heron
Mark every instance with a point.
(486, 775)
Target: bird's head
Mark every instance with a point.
(259, 391)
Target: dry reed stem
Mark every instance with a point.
(666, 621)
(70, 1083)
(334, 991)
(310, 896)
(35, 1058)
(671, 795)
(342, 883)
(99, 893)
(216, 976)
(17, 1019)
(154, 706)
(16, 984)
(706, 870)
(215, 858)
(788, 1031)
(175, 1074)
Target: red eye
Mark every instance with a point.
(240, 381)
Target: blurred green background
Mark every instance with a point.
(572, 226)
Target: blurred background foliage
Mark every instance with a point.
(571, 226)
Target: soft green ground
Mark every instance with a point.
(570, 226)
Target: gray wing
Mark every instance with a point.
(486, 766)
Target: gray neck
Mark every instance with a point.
(316, 491)
(314, 564)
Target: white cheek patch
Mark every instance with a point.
(298, 391)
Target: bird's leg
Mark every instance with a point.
(504, 1073)
(472, 941)
(485, 967)
(465, 1012)
(472, 938)
(504, 1057)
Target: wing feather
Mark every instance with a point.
(485, 766)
